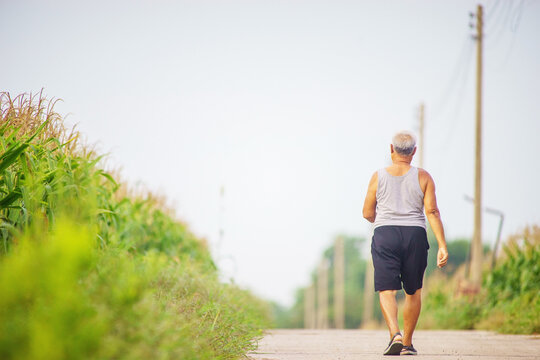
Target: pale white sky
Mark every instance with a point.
(290, 105)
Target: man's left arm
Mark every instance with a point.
(370, 203)
(434, 216)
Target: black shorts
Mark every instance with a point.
(399, 256)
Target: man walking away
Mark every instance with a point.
(395, 200)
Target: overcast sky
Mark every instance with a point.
(290, 106)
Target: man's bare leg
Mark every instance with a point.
(389, 309)
(411, 311)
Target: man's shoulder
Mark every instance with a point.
(423, 172)
(424, 178)
(374, 177)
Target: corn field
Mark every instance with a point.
(92, 269)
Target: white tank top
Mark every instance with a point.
(400, 200)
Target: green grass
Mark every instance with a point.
(63, 298)
(89, 270)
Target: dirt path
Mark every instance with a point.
(369, 344)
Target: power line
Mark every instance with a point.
(459, 106)
(461, 66)
(457, 86)
(501, 24)
(493, 10)
(515, 21)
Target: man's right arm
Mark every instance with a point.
(434, 217)
(370, 203)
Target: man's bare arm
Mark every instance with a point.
(434, 217)
(370, 203)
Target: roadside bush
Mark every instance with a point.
(443, 311)
(89, 271)
(513, 287)
(64, 299)
(509, 301)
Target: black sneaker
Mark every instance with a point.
(408, 350)
(395, 346)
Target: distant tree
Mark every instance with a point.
(355, 273)
(458, 249)
(289, 318)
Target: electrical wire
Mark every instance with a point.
(454, 117)
(491, 10)
(459, 68)
(456, 114)
(500, 26)
(503, 16)
(494, 11)
(515, 21)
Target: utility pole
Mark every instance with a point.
(476, 248)
(500, 214)
(369, 293)
(496, 247)
(309, 307)
(339, 283)
(322, 295)
(421, 133)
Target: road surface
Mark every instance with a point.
(369, 344)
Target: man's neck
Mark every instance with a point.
(401, 160)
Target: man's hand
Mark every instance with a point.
(442, 257)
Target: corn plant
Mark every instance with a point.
(90, 269)
(44, 171)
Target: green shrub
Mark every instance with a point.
(509, 301)
(43, 310)
(514, 285)
(64, 299)
(89, 271)
(449, 312)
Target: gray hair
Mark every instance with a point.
(404, 142)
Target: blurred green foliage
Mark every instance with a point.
(355, 275)
(64, 299)
(513, 287)
(509, 301)
(441, 310)
(88, 270)
(458, 250)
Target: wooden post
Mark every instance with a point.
(476, 246)
(339, 283)
(369, 294)
(369, 289)
(309, 307)
(322, 295)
